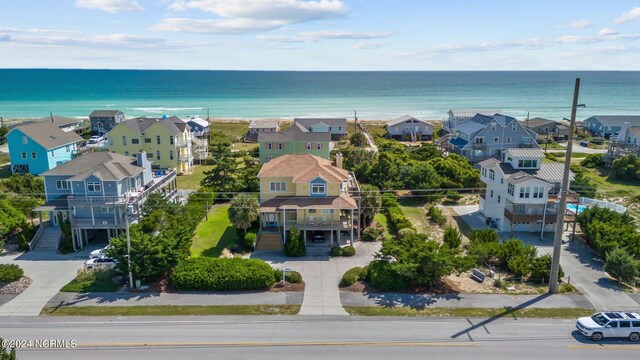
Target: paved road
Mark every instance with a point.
(578, 149)
(280, 337)
(49, 273)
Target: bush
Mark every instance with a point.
(484, 236)
(250, 240)
(373, 233)
(336, 251)
(436, 215)
(23, 243)
(621, 265)
(10, 273)
(295, 246)
(293, 277)
(626, 168)
(348, 251)
(593, 161)
(389, 200)
(223, 274)
(351, 277)
(398, 220)
(452, 238)
(386, 276)
(406, 232)
(454, 196)
(541, 268)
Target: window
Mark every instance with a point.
(484, 172)
(514, 126)
(528, 163)
(170, 154)
(479, 140)
(107, 210)
(496, 139)
(158, 154)
(34, 155)
(624, 324)
(318, 189)
(63, 185)
(525, 139)
(308, 146)
(269, 146)
(135, 141)
(158, 139)
(339, 128)
(492, 175)
(53, 154)
(171, 139)
(24, 155)
(635, 323)
(280, 146)
(25, 141)
(147, 140)
(68, 148)
(278, 186)
(525, 192)
(538, 192)
(501, 180)
(329, 128)
(124, 141)
(318, 146)
(510, 189)
(508, 140)
(493, 126)
(491, 193)
(126, 153)
(94, 187)
(498, 199)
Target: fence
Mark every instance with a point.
(603, 204)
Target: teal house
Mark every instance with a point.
(37, 147)
(295, 140)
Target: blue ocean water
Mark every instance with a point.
(265, 94)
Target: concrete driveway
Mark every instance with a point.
(578, 149)
(321, 275)
(49, 273)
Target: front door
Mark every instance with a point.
(271, 220)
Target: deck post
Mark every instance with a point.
(284, 226)
(351, 227)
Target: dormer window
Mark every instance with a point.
(514, 126)
(492, 175)
(527, 163)
(318, 189)
(493, 126)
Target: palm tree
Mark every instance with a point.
(370, 202)
(244, 210)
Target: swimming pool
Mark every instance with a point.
(574, 207)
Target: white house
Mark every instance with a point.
(521, 191)
(410, 127)
(458, 116)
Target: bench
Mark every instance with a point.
(478, 275)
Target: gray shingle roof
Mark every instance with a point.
(104, 165)
(140, 124)
(264, 124)
(472, 112)
(616, 120)
(48, 134)
(58, 120)
(105, 113)
(405, 118)
(521, 177)
(329, 121)
(486, 119)
(297, 132)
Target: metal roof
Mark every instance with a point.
(487, 119)
(616, 120)
(469, 127)
(328, 121)
(105, 113)
(200, 121)
(472, 112)
(264, 124)
(406, 118)
(525, 152)
(550, 172)
(459, 142)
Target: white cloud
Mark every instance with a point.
(528, 44)
(607, 32)
(285, 11)
(208, 26)
(631, 15)
(581, 24)
(123, 41)
(110, 6)
(313, 36)
(367, 45)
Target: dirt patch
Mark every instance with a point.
(443, 287)
(287, 287)
(466, 284)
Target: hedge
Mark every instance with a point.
(352, 276)
(223, 274)
(250, 240)
(397, 219)
(293, 277)
(10, 273)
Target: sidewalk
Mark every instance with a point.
(193, 298)
(464, 300)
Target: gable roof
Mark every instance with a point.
(297, 132)
(303, 168)
(503, 120)
(472, 112)
(538, 121)
(525, 152)
(199, 121)
(174, 124)
(105, 113)
(264, 124)
(315, 121)
(616, 120)
(104, 165)
(549, 172)
(47, 134)
(469, 127)
(405, 118)
(57, 120)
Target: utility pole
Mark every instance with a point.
(546, 143)
(562, 207)
(355, 121)
(126, 220)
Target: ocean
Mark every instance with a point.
(275, 94)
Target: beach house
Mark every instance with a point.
(65, 124)
(199, 127)
(607, 125)
(261, 126)
(103, 121)
(166, 141)
(488, 136)
(295, 140)
(456, 117)
(38, 146)
(409, 128)
(99, 193)
(545, 128)
(337, 127)
(521, 191)
(308, 192)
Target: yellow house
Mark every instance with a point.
(309, 192)
(167, 141)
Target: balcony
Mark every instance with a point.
(182, 143)
(525, 145)
(116, 223)
(479, 146)
(344, 224)
(536, 215)
(572, 197)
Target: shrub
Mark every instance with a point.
(484, 236)
(23, 243)
(406, 232)
(499, 283)
(222, 274)
(452, 238)
(436, 215)
(336, 251)
(513, 249)
(389, 200)
(626, 168)
(348, 251)
(386, 276)
(293, 277)
(520, 266)
(454, 196)
(593, 161)
(351, 277)
(250, 240)
(541, 268)
(295, 246)
(397, 219)
(373, 233)
(10, 273)
(621, 265)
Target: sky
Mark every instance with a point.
(321, 34)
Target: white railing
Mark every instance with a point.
(38, 235)
(603, 204)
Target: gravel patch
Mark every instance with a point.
(15, 287)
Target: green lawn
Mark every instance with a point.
(88, 282)
(192, 181)
(417, 214)
(381, 219)
(612, 187)
(235, 129)
(171, 310)
(215, 234)
(552, 313)
(244, 146)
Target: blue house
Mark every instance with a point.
(607, 125)
(36, 147)
(100, 192)
(198, 126)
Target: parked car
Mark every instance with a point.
(100, 263)
(95, 139)
(610, 324)
(99, 252)
(319, 236)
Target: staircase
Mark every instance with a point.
(200, 148)
(269, 241)
(48, 240)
